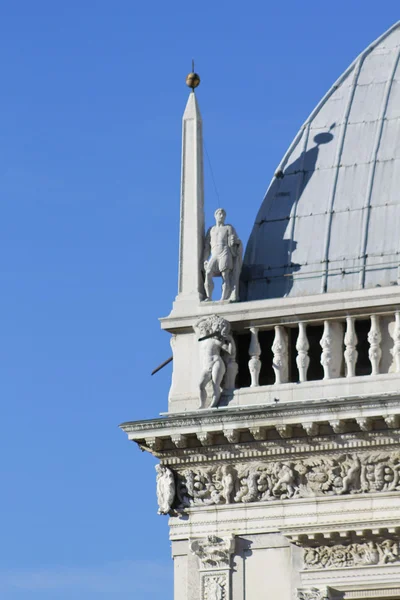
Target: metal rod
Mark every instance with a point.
(164, 364)
(210, 335)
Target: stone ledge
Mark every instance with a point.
(257, 428)
(280, 310)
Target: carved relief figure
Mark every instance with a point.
(214, 589)
(228, 483)
(165, 489)
(286, 481)
(217, 357)
(222, 258)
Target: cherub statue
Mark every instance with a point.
(165, 489)
(214, 366)
(226, 250)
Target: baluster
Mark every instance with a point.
(350, 354)
(374, 339)
(396, 339)
(302, 358)
(326, 345)
(254, 353)
(280, 362)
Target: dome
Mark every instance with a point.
(330, 220)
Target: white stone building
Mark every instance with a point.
(287, 484)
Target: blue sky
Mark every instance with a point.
(92, 95)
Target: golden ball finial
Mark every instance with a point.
(193, 80)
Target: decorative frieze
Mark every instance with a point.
(352, 555)
(257, 481)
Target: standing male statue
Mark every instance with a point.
(226, 250)
(217, 357)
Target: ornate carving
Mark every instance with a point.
(214, 552)
(392, 421)
(374, 339)
(350, 354)
(205, 438)
(179, 440)
(364, 423)
(352, 555)
(258, 433)
(232, 435)
(165, 489)
(313, 593)
(214, 587)
(338, 425)
(217, 356)
(280, 362)
(226, 250)
(254, 353)
(285, 431)
(271, 480)
(311, 428)
(302, 347)
(154, 443)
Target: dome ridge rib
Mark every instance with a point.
(356, 68)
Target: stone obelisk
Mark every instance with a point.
(191, 285)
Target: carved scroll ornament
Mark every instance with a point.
(304, 478)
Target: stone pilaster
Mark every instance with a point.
(214, 554)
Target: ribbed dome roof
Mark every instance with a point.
(330, 220)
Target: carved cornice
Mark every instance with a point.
(383, 401)
(295, 448)
(214, 552)
(306, 424)
(315, 536)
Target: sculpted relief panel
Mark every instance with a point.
(214, 587)
(352, 555)
(304, 478)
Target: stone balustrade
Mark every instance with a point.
(334, 348)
